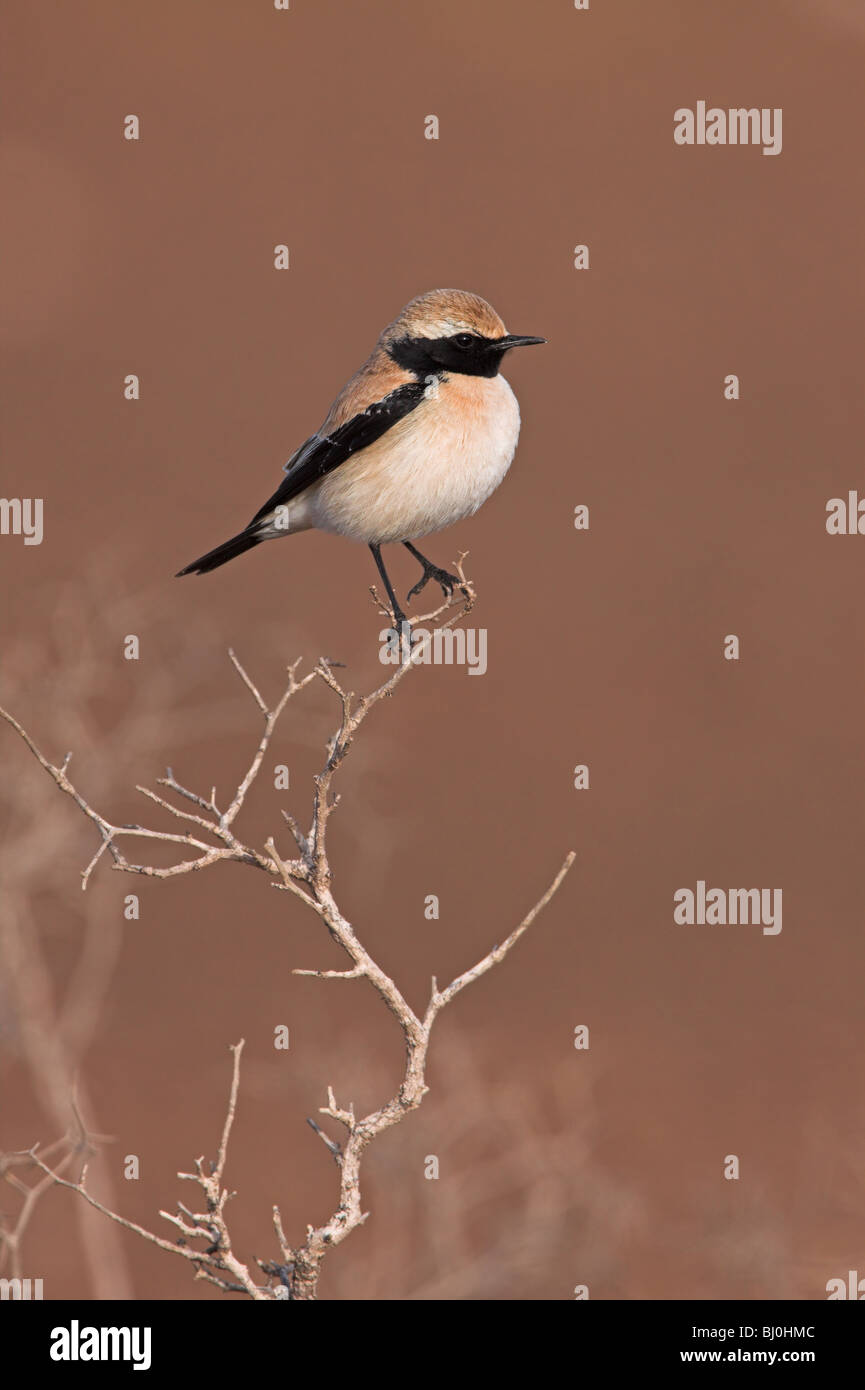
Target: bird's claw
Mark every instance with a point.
(447, 581)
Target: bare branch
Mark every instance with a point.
(307, 878)
(237, 1050)
(247, 682)
(355, 974)
(498, 953)
(209, 1226)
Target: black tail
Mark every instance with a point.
(227, 551)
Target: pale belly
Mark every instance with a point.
(436, 466)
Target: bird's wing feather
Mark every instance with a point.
(323, 452)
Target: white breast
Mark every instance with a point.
(434, 467)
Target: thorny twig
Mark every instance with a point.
(308, 877)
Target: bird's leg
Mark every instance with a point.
(448, 581)
(400, 620)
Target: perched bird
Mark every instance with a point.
(417, 439)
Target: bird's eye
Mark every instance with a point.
(464, 340)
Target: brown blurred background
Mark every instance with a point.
(707, 517)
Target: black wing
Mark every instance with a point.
(323, 452)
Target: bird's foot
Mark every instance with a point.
(402, 627)
(448, 581)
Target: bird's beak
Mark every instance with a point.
(512, 340)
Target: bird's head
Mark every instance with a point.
(450, 331)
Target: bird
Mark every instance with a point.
(417, 439)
